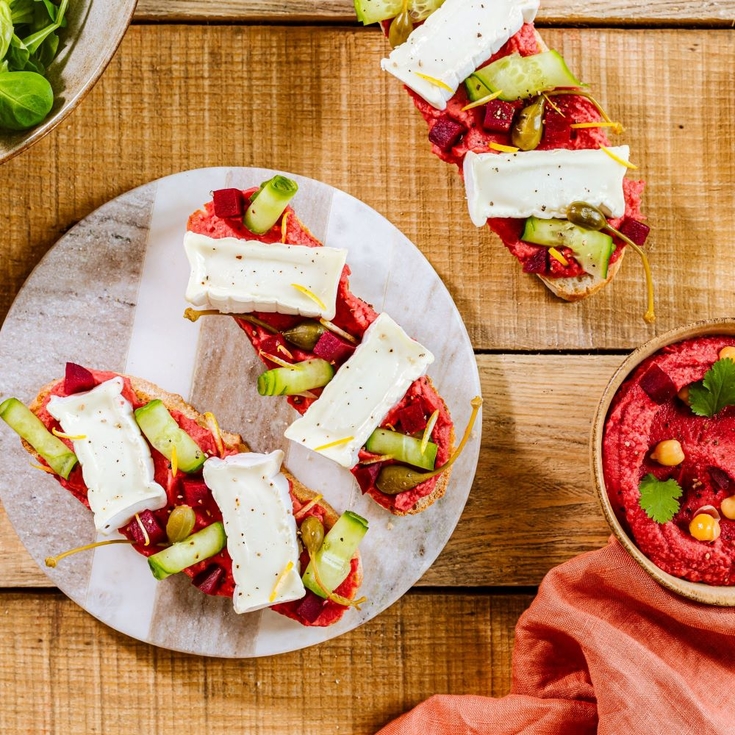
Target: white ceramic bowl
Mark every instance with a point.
(708, 594)
(94, 31)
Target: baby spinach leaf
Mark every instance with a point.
(6, 28)
(25, 99)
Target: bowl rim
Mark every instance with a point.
(50, 123)
(698, 591)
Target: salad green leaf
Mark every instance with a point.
(716, 390)
(659, 499)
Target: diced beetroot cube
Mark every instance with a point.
(558, 131)
(446, 132)
(720, 478)
(657, 385)
(635, 230)
(367, 475)
(498, 116)
(77, 379)
(156, 532)
(412, 418)
(228, 203)
(310, 607)
(196, 492)
(332, 348)
(209, 579)
(538, 262)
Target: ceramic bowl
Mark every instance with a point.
(708, 594)
(94, 31)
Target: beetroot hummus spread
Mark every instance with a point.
(559, 116)
(353, 316)
(647, 410)
(212, 576)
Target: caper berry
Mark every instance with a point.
(395, 479)
(586, 215)
(304, 335)
(400, 29)
(180, 523)
(529, 125)
(312, 534)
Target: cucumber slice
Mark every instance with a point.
(402, 447)
(592, 249)
(334, 556)
(162, 431)
(269, 203)
(476, 88)
(301, 377)
(177, 557)
(373, 11)
(28, 426)
(521, 77)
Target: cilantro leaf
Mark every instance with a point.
(716, 391)
(659, 499)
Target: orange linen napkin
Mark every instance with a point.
(603, 649)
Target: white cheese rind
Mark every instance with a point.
(257, 513)
(543, 183)
(454, 41)
(362, 392)
(115, 458)
(239, 276)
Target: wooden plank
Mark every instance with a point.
(61, 671)
(159, 109)
(532, 505)
(620, 12)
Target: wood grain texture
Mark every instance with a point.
(179, 97)
(615, 12)
(532, 505)
(61, 671)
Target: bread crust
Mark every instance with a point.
(577, 288)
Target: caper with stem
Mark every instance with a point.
(528, 128)
(395, 478)
(400, 27)
(304, 335)
(591, 217)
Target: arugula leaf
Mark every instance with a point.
(716, 390)
(659, 499)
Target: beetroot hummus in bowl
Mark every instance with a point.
(663, 455)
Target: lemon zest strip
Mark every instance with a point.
(62, 435)
(483, 100)
(502, 148)
(341, 332)
(276, 360)
(311, 295)
(617, 127)
(334, 443)
(48, 470)
(433, 80)
(283, 227)
(554, 253)
(142, 528)
(279, 581)
(617, 159)
(213, 426)
(314, 501)
(174, 461)
(429, 428)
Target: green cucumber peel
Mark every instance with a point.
(164, 434)
(183, 554)
(269, 203)
(402, 448)
(29, 427)
(334, 557)
(301, 377)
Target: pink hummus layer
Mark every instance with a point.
(635, 425)
(558, 133)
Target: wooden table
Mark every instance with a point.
(285, 85)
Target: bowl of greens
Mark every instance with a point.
(51, 54)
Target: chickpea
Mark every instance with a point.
(704, 527)
(727, 507)
(668, 453)
(727, 353)
(683, 394)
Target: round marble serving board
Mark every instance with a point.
(110, 295)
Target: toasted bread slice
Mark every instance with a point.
(577, 288)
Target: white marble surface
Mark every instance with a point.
(110, 295)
